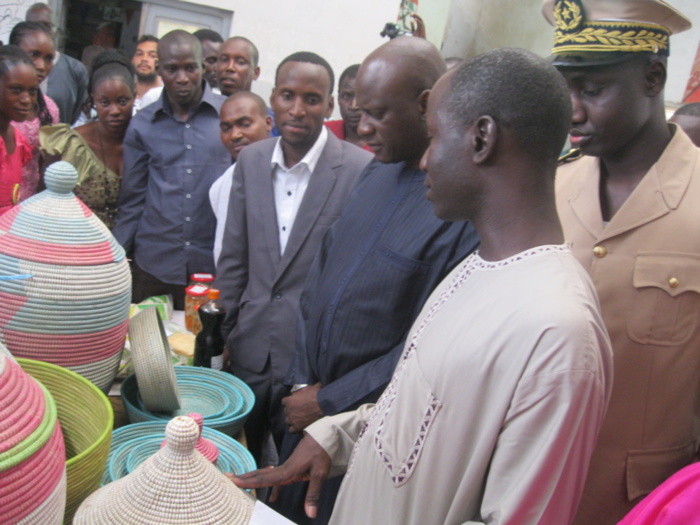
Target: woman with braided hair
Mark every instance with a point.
(95, 148)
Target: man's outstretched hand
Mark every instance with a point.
(309, 462)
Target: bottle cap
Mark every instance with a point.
(214, 293)
(202, 277)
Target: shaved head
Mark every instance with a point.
(179, 40)
(248, 95)
(413, 62)
(391, 91)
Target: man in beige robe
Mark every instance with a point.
(495, 405)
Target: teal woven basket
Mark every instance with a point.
(133, 444)
(223, 400)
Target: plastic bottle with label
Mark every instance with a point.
(209, 343)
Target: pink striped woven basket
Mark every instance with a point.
(86, 419)
(32, 451)
(64, 282)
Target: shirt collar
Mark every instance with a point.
(311, 157)
(163, 103)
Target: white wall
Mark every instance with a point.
(684, 46)
(475, 26)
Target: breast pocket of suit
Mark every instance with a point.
(405, 424)
(666, 301)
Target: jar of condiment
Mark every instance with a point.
(195, 296)
(192, 302)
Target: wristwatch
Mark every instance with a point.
(298, 386)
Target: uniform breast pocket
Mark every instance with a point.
(405, 424)
(666, 299)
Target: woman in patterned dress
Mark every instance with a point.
(96, 148)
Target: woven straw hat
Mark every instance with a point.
(176, 485)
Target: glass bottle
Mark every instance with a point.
(209, 344)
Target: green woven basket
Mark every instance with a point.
(86, 419)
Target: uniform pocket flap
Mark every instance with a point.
(647, 469)
(674, 273)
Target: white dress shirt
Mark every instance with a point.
(219, 194)
(289, 184)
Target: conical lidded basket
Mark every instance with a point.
(64, 282)
(204, 446)
(175, 485)
(32, 453)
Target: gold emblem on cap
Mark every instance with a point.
(574, 33)
(568, 14)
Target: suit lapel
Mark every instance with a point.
(266, 204)
(317, 192)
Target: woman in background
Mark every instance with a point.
(38, 43)
(96, 148)
(18, 91)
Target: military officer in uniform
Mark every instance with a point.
(628, 203)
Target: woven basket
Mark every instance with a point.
(86, 418)
(64, 282)
(133, 444)
(32, 452)
(153, 366)
(175, 485)
(228, 399)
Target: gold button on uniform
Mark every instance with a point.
(600, 251)
(673, 282)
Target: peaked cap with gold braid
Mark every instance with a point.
(602, 32)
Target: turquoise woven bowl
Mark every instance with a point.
(228, 415)
(133, 444)
(200, 398)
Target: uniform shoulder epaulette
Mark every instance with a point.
(570, 156)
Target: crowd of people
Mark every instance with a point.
(521, 346)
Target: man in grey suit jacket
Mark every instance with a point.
(285, 194)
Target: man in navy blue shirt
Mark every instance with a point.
(378, 263)
(172, 155)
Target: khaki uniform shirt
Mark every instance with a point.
(645, 264)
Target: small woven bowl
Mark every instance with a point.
(86, 419)
(198, 397)
(229, 422)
